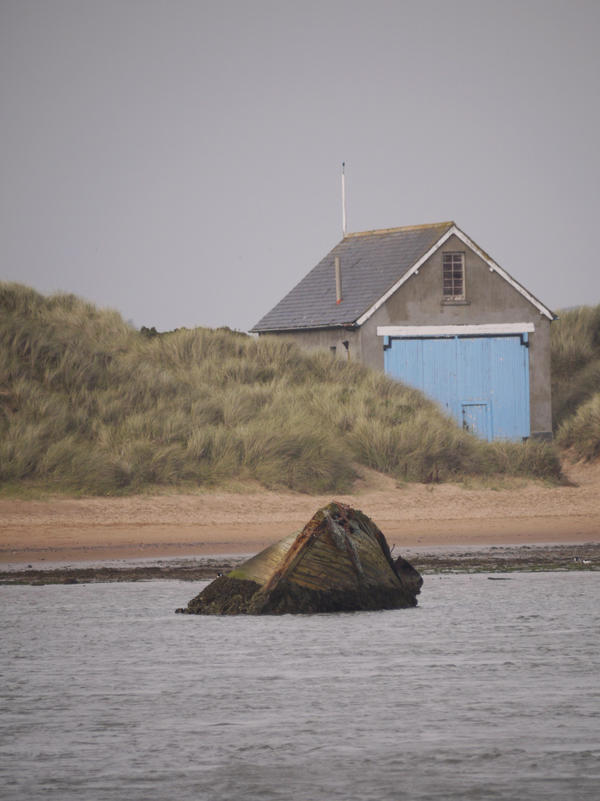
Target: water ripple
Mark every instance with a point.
(477, 694)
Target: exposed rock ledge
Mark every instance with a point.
(339, 562)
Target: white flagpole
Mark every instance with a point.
(343, 199)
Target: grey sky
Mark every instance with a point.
(180, 160)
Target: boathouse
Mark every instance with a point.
(426, 304)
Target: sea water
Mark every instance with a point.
(489, 689)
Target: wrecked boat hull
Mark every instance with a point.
(339, 562)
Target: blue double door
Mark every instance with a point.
(482, 381)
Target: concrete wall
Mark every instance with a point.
(326, 339)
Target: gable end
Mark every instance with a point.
(493, 266)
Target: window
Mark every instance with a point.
(453, 276)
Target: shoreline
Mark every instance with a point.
(548, 557)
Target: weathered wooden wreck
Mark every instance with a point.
(339, 562)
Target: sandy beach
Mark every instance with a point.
(217, 523)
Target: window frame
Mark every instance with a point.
(455, 257)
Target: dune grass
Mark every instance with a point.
(89, 404)
(576, 380)
(581, 431)
(575, 360)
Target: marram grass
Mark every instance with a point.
(89, 404)
(581, 431)
(575, 360)
(576, 381)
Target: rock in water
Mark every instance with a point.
(339, 562)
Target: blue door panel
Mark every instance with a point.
(483, 382)
(439, 371)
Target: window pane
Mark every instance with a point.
(453, 276)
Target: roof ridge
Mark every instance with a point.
(447, 223)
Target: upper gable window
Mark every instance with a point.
(453, 276)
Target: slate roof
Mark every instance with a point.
(372, 262)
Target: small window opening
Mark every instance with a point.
(453, 276)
